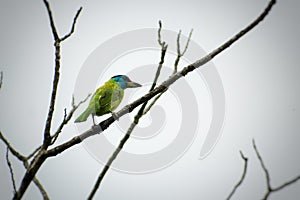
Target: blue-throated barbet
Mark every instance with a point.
(107, 97)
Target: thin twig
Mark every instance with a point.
(242, 177)
(160, 42)
(178, 42)
(164, 48)
(11, 170)
(11, 149)
(136, 118)
(179, 55)
(67, 118)
(270, 189)
(41, 188)
(52, 25)
(286, 183)
(262, 165)
(73, 25)
(107, 166)
(188, 42)
(33, 153)
(153, 103)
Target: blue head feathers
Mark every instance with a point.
(125, 82)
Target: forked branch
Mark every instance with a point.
(39, 154)
(271, 189)
(57, 41)
(179, 55)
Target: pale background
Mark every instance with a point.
(259, 74)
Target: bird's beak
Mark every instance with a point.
(133, 85)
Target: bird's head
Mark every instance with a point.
(125, 82)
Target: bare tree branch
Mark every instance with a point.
(153, 102)
(164, 48)
(67, 118)
(179, 55)
(167, 83)
(136, 118)
(41, 188)
(37, 183)
(263, 166)
(24, 160)
(270, 189)
(286, 184)
(187, 43)
(52, 25)
(73, 26)
(242, 177)
(40, 156)
(11, 170)
(11, 149)
(128, 108)
(107, 166)
(47, 137)
(57, 41)
(33, 153)
(43, 154)
(162, 44)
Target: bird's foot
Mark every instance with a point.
(93, 117)
(115, 116)
(96, 127)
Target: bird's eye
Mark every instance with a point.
(126, 78)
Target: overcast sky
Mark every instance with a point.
(258, 76)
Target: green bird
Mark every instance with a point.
(107, 97)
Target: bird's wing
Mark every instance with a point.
(103, 101)
(116, 97)
(107, 98)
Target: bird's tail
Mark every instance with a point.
(83, 117)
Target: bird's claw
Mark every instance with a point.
(96, 127)
(115, 116)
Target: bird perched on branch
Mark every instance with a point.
(107, 97)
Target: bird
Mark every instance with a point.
(107, 97)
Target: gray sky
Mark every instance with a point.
(259, 76)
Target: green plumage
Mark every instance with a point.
(107, 97)
(105, 100)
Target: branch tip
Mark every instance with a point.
(73, 25)
(239, 183)
(270, 189)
